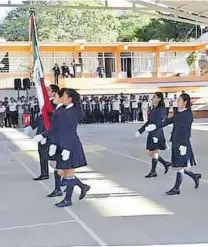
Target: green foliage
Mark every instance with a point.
(130, 23)
(166, 30)
(191, 59)
(59, 24)
(97, 25)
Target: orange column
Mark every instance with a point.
(157, 64)
(118, 63)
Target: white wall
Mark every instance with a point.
(13, 93)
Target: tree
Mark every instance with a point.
(62, 24)
(165, 30)
(130, 23)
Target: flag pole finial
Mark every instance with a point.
(32, 11)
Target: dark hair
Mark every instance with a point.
(161, 97)
(72, 93)
(54, 88)
(186, 98)
(61, 92)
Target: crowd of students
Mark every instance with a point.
(95, 109)
(121, 108)
(13, 111)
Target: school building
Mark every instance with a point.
(128, 67)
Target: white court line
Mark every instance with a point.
(68, 210)
(36, 225)
(133, 158)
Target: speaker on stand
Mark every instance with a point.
(17, 85)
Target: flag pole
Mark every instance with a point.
(31, 59)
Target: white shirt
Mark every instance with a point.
(134, 104)
(12, 106)
(116, 105)
(2, 109)
(175, 103)
(145, 105)
(167, 102)
(126, 104)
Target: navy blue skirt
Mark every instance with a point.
(178, 160)
(159, 145)
(77, 158)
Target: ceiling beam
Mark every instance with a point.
(71, 6)
(172, 11)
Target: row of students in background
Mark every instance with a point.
(12, 111)
(181, 153)
(123, 108)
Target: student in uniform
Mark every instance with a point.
(52, 136)
(126, 105)
(13, 112)
(106, 110)
(43, 145)
(134, 108)
(71, 150)
(97, 110)
(116, 109)
(145, 108)
(155, 140)
(52, 90)
(182, 153)
(2, 114)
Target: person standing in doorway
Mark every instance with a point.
(101, 71)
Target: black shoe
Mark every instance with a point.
(196, 179)
(55, 193)
(63, 204)
(167, 166)
(151, 175)
(41, 178)
(173, 192)
(84, 191)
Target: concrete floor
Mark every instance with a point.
(122, 208)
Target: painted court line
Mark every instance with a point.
(68, 210)
(134, 158)
(36, 225)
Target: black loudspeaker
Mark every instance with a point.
(17, 84)
(26, 83)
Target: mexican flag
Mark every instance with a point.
(38, 74)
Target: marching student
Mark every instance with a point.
(182, 153)
(43, 145)
(156, 139)
(52, 136)
(52, 90)
(72, 154)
